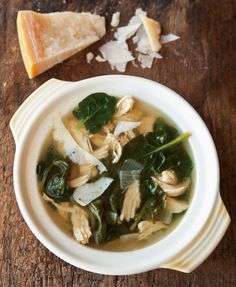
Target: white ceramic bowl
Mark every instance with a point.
(204, 223)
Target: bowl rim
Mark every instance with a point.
(46, 241)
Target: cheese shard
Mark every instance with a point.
(115, 19)
(153, 30)
(48, 39)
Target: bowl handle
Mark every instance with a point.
(202, 246)
(24, 112)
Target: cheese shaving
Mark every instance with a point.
(115, 19)
(98, 58)
(137, 17)
(168, 38)
(145, 34)
(126, 32)
(145, 60)
(117, 54)
(89, 57)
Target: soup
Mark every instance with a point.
(116, 174)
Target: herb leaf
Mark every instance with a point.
(52, 174)
(97, 209)
(175, 141)
(95, 111)
(148, 212)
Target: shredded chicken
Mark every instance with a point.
(133, 115)
(168, 182)
(81, 180)
(131, 134)
(115, 146)
(80, 136)
(101, 152)
(86, 172)
(168, 176)
(124, 105)
(146, 228)
(80, 222)
(124, 138)
(131, 202)
(79, 219)
(110, 126)
(88, 169)
(173, 190)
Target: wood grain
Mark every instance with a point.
(200, 66)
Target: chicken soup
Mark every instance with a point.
(116, 174)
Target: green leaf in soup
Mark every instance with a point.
(148, 211)
(179, 160)
(162, 133)
(97, 209)
(137, 149)
(52, 174)
(41, 169)
(95, 111)
(149, 188)
(116, 231)
(56, 186)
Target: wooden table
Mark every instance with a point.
(200, 67)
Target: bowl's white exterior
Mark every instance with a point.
(187, 245)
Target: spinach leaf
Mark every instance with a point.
(149, 211)
(150, 188)
(95, 111)
(116, 231)
(179, 160)
(97, 209)
(56, 181)
(163, 133)
(53, 174)
(138, 149)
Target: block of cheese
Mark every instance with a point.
(153, 31)
(48, 39)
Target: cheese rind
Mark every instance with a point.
(48, 39)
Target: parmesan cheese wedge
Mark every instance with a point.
(153, 30)
(48, 39)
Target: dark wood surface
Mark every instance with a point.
(200, 67)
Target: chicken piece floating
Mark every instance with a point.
(146, 228)
(167, 180)
(80, 222)
(79, 181)
(115, 146)
(101, 152)
(131, 202)
(79, 219)
(75, 153)
(124, 105)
